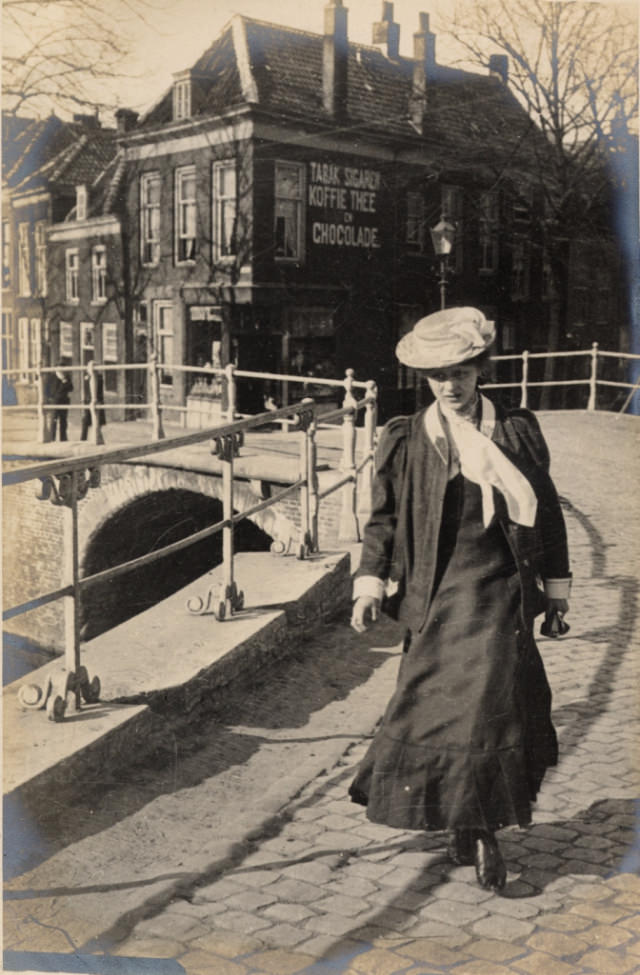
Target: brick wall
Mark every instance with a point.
(32, 563)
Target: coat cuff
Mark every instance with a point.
(557, 588)
(368, 586)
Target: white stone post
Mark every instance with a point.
(593, 378)
(525, 380)
(370, 425)
(43, 427)
(70, 578)
(348, 530)
(96, 429)
(229, 372)
(154, 401)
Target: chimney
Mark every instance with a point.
(387, 33)
(334, 58)
(89, 121)
(126, 120)
(499, 67)
(424, 59)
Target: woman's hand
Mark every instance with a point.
(364, 608)
(560, 606)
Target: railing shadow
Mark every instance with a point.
(578, 717)
(189, 748)
(409, 906)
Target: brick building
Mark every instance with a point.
(273, 209)
(43, 164)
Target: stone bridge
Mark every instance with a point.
(137, 507)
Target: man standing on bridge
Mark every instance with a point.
(59, 390)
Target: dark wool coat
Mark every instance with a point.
(401, 537)
(467, 736)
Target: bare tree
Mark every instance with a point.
(574, 67)
(59, 55)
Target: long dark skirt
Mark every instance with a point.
(467, 736)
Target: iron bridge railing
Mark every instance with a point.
(66, 482)
(226, 380)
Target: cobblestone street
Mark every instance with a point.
(322, 890)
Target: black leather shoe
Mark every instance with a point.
(460, 847)
(490, 868)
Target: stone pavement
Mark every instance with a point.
(322, 890)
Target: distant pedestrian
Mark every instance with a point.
(59, 393)
(465, 518)
(86, 398)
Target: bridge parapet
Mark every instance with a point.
(77, 488)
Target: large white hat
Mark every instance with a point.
(446, 338)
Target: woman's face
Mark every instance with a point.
(454, 387)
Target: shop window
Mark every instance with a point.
(488, 232)
(225, 210)
(163, 312)
(289, 214)
(415, 220)
(40, 233)
(24, 260)
(72, 270)
(150, 218)
(6, 253)
(110, 355)
(185, 214)
(99, 274)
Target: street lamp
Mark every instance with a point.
(442, 238)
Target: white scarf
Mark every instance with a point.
(482, 461)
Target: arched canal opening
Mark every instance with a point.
(144, 525)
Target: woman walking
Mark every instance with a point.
(465, 522)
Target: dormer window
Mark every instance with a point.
(81, 202)
(182, 96)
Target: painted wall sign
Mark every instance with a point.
(346, 194)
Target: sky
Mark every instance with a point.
(172, 34)
(183, 29)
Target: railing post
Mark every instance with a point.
(370, 424)
(154, 403)
(229, 373)
(43, 428)
(96, 429)
(314, 500)
(348, 531)
(71, 575)
(525, 380)
(307, 473)
(229, 600)
(593, 378)
(227, 531)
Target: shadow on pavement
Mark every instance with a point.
(610, 818)
(575, 719)
(195, 746)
